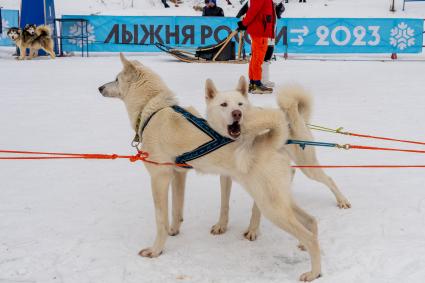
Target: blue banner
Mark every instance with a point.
(293, 35)
(355, 35)
(9, 19)
(139, 34)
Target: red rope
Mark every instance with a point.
(143, 156)
(359, 166)
(383, 138)
(39, 153)
(385, 148)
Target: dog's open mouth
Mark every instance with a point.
(234, 129)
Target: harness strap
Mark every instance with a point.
(147, 121)
(138, 138)
(303, 144)
(217, 141)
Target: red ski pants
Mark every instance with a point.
(258, 51)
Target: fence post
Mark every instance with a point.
(285, 41)
(1, 22)
(392, 7)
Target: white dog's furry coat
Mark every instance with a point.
(266, 176)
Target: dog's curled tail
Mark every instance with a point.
(295, 102)
(43, 30)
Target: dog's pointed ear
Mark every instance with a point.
(124, 60)
(210, 90)
(242, 86)
(128, 65)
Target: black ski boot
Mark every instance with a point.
(259, 88)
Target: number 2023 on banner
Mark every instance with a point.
(355, 35)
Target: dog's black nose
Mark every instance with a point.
(101, 88)
(237, 115)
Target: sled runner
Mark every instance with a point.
(222, 52)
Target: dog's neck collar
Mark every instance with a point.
(155, 105)
(141, 127)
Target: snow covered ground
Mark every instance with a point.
(80, 221)
(85, 221)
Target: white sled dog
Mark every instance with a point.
(296, 104)
(266, 174)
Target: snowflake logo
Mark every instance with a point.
(5, 25)
(402, 36)
(77, 30)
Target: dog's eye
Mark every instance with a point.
(240, 103)
(224, 104)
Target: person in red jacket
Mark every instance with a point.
(259, 22)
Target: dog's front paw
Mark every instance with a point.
(309, 276)
(301, 247)
(150, 252)
(174, 231)
(251, 235)
(343, 203)
(175, 227)
(218, 229)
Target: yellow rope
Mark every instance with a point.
(329, 130)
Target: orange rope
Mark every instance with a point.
(359, 166)
(143, 156)
(383, 138)
(384, 148)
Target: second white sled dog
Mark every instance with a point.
(266, 174)
(296, 104)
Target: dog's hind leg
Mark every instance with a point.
(276, 204)
(50, 51)
(252, 231)
(160, 183)
(178, 186)
(307, 240)
(286, 218)
(308, 156)
(52, 54)
(225, 186)
(307, 220)
(319, 175)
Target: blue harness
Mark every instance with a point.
(217, 141)
(303, 144)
